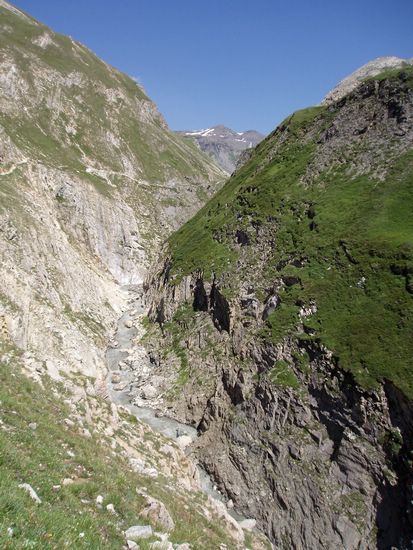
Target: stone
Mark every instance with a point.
(32, 493)
(110, 508)
(183, 546)
(156, 512)
(166, 545)
(128, 323)
(137, 532)
(183, 441)
(132, 545)
(148, 392)
(248, 524)
(67, 481)
(33, 425)
(140, 467)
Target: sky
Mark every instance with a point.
(246, 64)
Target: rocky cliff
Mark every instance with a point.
(284, 314)
(91, 181)
(223, 145)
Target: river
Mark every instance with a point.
(121, 378)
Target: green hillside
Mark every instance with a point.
(334, 221)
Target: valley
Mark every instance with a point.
(191, 360)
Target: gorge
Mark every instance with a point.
(190, 361)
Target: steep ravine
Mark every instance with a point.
(325, 464)
(129, 368)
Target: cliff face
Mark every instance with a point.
(91, 180)
(284, 310)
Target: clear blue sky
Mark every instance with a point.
(244, 63)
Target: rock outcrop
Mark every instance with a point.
(369, 70)
(273, 326)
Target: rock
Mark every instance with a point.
(128, 323)
(137, 532)
(67, 481)
(183, 546)
(148, 392)
(56, 488)
(132, 545)
(247, 524)
(115, 378)
(155, 511)
(140, 467)
(166, 545)
(32, 425)
(183, 441)
(32, 493)
(110, 508)
(69, 423)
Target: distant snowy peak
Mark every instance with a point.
(373, 68)
(202, 133)
(222, 132)
(223, 144)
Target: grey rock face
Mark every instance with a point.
(224, 145)
(368, 70)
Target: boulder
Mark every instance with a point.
(32, 493)
(155, 511)
(137, 532)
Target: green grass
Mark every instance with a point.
(282, 375)
(54, 451)
(352, 235)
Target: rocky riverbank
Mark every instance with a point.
(133, 385)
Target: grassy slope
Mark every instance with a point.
(40, 457)
(41, 132)
(367, 322)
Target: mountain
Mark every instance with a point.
(92, 181)
(369, 70)
(223, 144)
(282, 316)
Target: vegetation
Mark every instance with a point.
(37, 447)
(282, 375)
(346, 238)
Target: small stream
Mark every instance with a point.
(121, 380)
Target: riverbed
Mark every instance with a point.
(123, 376)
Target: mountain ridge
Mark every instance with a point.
(224, 145)
(369, 70)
